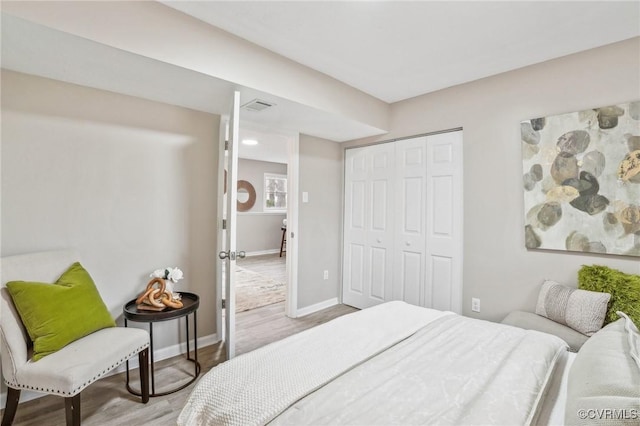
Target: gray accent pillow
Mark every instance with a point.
(582, 310)
(604, 380)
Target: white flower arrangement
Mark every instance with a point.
(172, 274)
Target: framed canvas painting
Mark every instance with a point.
(581, 179)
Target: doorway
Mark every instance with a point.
(266, 218)
(261, 218)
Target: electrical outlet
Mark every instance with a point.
(326, 275)
(475, 304)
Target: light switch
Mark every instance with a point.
(305, 197)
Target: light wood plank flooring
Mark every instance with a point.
(270, 265)
(260, 281)
(107, 402)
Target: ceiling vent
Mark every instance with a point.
(257, 105)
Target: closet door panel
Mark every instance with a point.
(355, 227)
(443, 287)
(411, 278)
(357, 202)
(410, 226)
(368, 230)
(354, 268)
(380, 234)
(378, 263)
(355, 251)
(413, 214)
(442, 188)
(378, 209)
(441, 272)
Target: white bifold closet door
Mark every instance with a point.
(403, 223)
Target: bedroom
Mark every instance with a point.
(133, 156)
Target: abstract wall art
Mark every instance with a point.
(581, 179)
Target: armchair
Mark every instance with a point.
(74, 367)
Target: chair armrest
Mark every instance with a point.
(14, 352)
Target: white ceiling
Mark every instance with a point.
(273, 147)
(391, 50)
(395, 50)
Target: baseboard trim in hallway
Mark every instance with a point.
(317, 307)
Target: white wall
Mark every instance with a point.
(258, 230)
(319, 221)
(130, 183)
(497, 267)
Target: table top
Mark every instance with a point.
(190, 303)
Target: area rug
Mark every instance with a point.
(254, 290)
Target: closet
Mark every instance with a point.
(403, 223)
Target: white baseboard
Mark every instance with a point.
(262, 252)
(317, 307)
(158, 355)
(168, 352)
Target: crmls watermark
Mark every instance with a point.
(609, 414)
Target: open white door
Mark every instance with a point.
(228, 246)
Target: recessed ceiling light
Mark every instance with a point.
(250, 142)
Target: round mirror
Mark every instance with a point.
(243, 195)
(246, 196)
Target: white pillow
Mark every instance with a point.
(604, 380)
(582, 310)
(633, 337)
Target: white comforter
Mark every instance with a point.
(391, 364)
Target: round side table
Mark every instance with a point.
(190, 303)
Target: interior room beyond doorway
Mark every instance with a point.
(261, 278)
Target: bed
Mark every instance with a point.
(391, 364)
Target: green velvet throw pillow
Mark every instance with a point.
(58, 314)
(624, 290)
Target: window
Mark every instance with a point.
(275, 192)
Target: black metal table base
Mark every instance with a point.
(169, 392)
(194, 360)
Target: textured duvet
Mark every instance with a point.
(391, 364)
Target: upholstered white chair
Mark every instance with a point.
(74, 367)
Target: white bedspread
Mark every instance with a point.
(255, 387)
(455, 371)
(422, 367)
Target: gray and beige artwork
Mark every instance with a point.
(582, 180)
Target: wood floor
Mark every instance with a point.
(270, 265)
(107, 403)
(260, 281)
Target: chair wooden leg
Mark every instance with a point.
(13, 397)
(283, 241)
(143, 360)
(72, 410)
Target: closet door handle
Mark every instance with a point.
(408, 243)
(379, 241)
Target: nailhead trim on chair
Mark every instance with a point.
(84, 385)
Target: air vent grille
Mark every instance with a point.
(257, 105)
